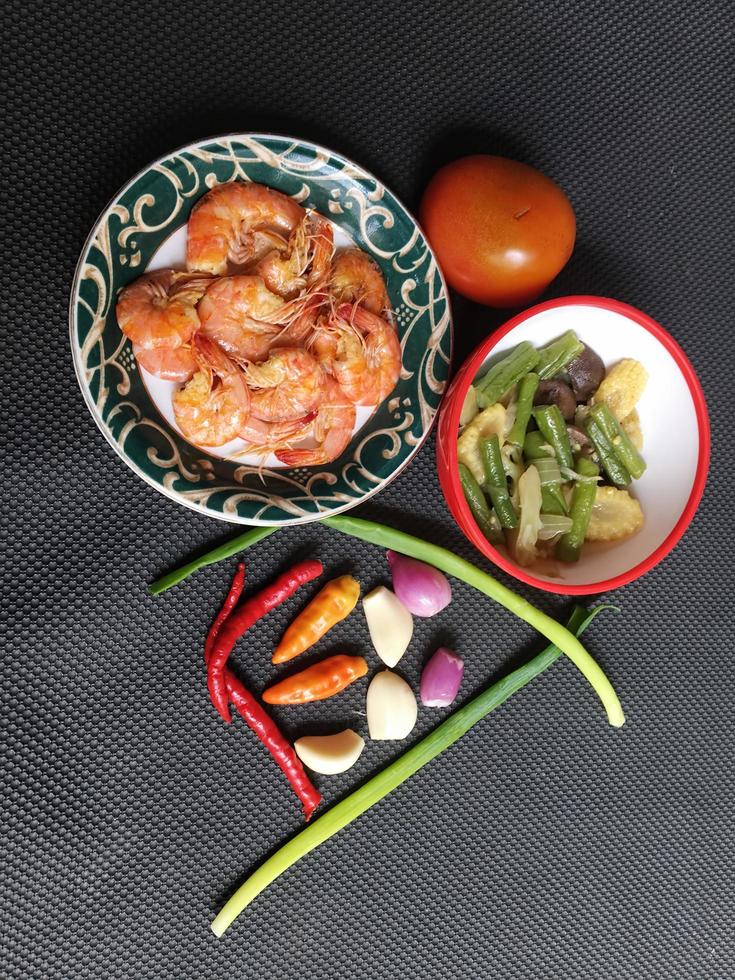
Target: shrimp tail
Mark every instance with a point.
(270, 437)
(302, 457)
(360, 317)
(211, 356)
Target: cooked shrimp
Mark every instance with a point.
(289, 384)
(322, 249)
(159, 309)
(284, 270)
(300, 330)
(214, 406)
(267, 436)
(169, 363)
(323, 342)
(355, 278)
(332, 430)
(305, 260)
(363, 352)
(240, 314)
(235, 224)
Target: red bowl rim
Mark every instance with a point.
(447, 455)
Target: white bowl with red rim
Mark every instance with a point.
(675, 429)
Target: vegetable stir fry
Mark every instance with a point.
(548, 448)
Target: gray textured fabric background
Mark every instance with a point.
(544, 844)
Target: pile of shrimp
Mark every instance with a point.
(273, 337)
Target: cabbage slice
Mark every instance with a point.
(522, 541)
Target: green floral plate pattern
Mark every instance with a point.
(143, 216)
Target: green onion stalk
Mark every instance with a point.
(375, 789)
(226, 550)
(451, 564)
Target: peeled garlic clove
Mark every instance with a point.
(391, 707)
(330, 754)
(390, 624)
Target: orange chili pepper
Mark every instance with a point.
(320, 681)
(329, 606)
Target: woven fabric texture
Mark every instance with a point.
(544, 844)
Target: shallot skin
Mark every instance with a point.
(422, 589)
(441, 679)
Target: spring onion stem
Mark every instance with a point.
(406, 544)
(432, 554)
(225, 550)
(343, 813)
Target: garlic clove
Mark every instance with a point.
(330, 754)
(391, 707)
(390, 624)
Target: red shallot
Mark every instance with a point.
(441, 679)
(422, 589)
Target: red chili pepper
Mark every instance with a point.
(270, 735)
(233, 597)
(240, 621)
(255, 716)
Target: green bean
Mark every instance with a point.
(569, 546)
(621, 443)
(617, 473)
(496, 482)
(496, 530)
(451, 564)
(226, 550)
(505, 373)
(479, 506)
(535, 447)
(554, 429)
(553, 500)
(384, 782)
(556, 355)
(524, 404)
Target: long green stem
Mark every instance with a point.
(432, 554)
(387, 537)
(343, 813)
(226, 550)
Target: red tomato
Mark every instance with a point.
(500, 229)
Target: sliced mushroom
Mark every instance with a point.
(585, 372)
(579, 441)
(555, 392)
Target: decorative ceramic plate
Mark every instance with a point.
(144, 228)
